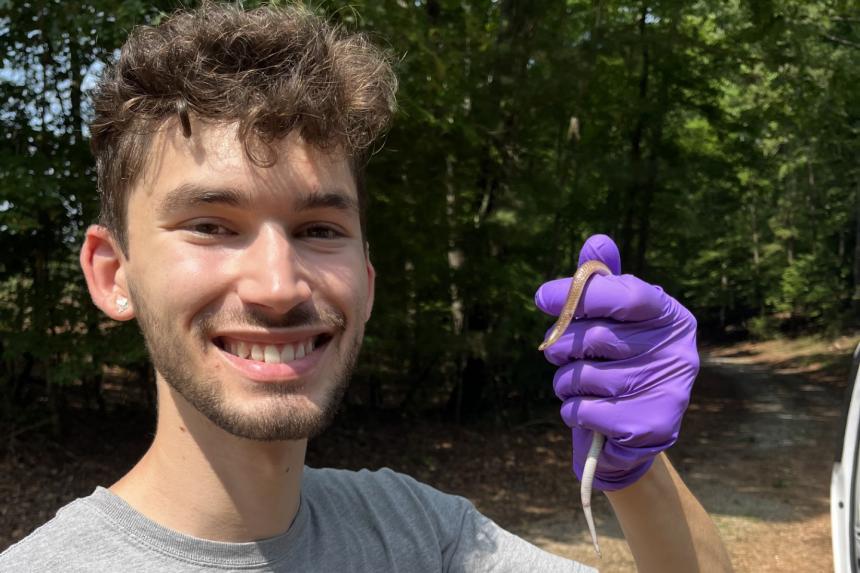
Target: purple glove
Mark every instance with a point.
(627, 365)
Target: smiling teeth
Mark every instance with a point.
(270, 353)
(288, 354)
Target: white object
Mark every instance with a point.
(845, 483)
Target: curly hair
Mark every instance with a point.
(271, 70)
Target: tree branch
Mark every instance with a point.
(842, 41)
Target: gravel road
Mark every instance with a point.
(756, 449)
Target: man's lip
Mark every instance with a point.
(275, 338)
(258, 371)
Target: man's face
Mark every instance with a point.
(251, 285)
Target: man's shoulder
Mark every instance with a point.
(382, 493)
(382, 477)
(383, 482)
(53, 544)
(415, 516)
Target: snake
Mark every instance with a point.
(577, 286)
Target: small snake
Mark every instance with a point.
(577, 286)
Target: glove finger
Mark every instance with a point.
(589, 378)
(601, 248)
(598, 339)
(623, 298)
(612, 418)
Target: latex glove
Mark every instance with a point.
(626, 367)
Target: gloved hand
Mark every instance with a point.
(626, 367)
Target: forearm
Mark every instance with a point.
(665, 526)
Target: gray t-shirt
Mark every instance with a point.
(347, 521)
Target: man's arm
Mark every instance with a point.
(666, 528)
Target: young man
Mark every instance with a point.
(229, 147)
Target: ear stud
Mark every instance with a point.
(121, 303)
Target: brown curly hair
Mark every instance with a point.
(272, 70)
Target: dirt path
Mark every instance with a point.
(756, 449)
(762, 465)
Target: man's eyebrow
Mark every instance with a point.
(326, 199)
(189, 195)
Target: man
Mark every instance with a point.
(229, 147)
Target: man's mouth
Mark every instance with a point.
(271, 353)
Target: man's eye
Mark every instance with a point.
(322, 232)
(210, 229)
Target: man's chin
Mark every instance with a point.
(273, 415)
(273, 409)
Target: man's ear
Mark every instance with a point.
(104, 268)
(371, 283)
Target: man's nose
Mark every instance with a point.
(271, 273)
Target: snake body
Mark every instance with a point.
(577, 286)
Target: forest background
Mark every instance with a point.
(716, 141)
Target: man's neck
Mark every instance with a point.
(199, 480)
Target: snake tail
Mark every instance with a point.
(587, 481)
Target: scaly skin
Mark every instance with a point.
(577, 286)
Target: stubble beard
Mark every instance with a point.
(280, 412)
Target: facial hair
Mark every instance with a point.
(279, 412)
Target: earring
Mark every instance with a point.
(121, 303)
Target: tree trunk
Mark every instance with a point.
(651, 185)
(75, 89)
(474, 244)
(631, 205)
(455, 262)
(855, 299)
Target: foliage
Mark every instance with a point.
(716, 141)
